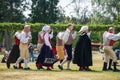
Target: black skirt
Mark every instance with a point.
(45, 57)
(14, 54)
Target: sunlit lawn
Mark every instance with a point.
(56, 74)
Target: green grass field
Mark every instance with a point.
(56, 74)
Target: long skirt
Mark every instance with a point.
(14, 54)
(45, 57)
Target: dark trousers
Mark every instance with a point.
(69, 51)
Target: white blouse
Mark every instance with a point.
(24, 38)
(46, 39)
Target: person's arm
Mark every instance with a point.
(74, 35)
(17, 34)
(30, 36)
(47, 42)
(51, 35)
(114, 36)
(39, 37)
(65, 36)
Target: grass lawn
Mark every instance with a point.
(56, 74)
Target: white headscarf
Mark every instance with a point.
(46, 28)
(83, 28)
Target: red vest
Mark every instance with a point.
(111, 42)
(16, 41)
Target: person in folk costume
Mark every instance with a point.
(25, 37)
(108, 40)
(83, 50)
(68, 38)
(40, 39)
(46, 55)
(15, 52)
(60, 46)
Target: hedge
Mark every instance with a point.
(56, 27)
(36, 27)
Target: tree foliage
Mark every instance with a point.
(44, 11)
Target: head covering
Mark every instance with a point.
(45, 28)
(83, 28)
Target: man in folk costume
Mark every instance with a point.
(68, 40)
(24, 52)
(83, 50)
(108, 41)
(60, 46)
(15, 52)
(45, 58)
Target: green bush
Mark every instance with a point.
(97, 30)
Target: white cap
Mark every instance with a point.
(83, 28)
(45, 28)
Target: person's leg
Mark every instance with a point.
(8, 64)
(113, 56)
(32, 55)
(110, 64)
(26, 59)
(17, 62)
(69, 53)
(106, 58)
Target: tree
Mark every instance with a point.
(44, 11)
(109, 11)
(12, 10)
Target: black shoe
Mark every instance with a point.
(104, 66)
(15, 67)
(116, 70)
(60, 67)
(27, 68)
(110, 69)
(8, 65)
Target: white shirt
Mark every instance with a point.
(109, 36)
(17, 34)
(46, 39)
(24, 38)
(67, 34)
(41, 33)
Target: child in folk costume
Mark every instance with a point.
(108, 40)
(60, 46)
(15, 52)
(25, 37)
(68, 38)
(46, 56)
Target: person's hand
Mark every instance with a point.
(50, 48)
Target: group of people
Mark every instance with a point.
(63, 51)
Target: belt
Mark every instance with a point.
(24, 43)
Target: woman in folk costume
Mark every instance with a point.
(108, 40)
(83, 50)
(15, 52)
(40, 39)
(46, 56)
(68, 38)
(60, 46)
